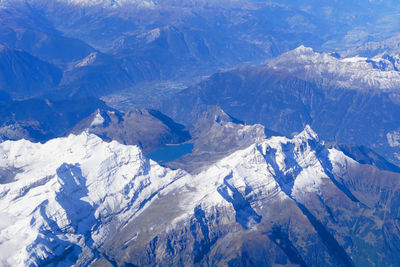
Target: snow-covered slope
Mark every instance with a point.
(379, 72)
(280, 201)
(62, 199)
(79, 200)
(276, 167)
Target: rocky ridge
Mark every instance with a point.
(380, 72)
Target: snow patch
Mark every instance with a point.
(89, 60)
(98, 120)
(393, 138)
(151, 35)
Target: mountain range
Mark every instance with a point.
(349, 100)
(280, 201)
(199, 133)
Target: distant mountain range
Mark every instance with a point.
(131, 42)
(380, 73)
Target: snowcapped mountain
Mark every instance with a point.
(79, 200)
(60, 200)
(279, 202)
(379, 72)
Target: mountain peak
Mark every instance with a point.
(308, 134)
(303, 50)
(150, 129)
(214, 114)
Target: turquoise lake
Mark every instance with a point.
(170, 152)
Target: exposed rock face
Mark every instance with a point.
(148, 129)
(215, 135)
(280, 201)
(40, 120)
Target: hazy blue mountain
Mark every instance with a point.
(4, 97)
(147, 41)
(28, 29)
(95, 75)
(40, 120)
(23, 75)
